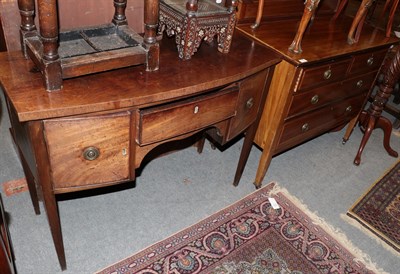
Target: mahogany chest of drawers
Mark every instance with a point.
(318, 90)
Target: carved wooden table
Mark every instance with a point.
(97, 130)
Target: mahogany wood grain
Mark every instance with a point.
(131, 86)
(67, 140)
(178, 118)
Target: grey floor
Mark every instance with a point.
(177, 190)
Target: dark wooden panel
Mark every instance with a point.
(3, 46)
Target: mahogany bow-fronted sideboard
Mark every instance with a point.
(318, 90)
(96, 131)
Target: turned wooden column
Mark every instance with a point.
(308, 14)
(372, 118)
(119, 15)
(151, 11)
(48, 21)
(27, 27)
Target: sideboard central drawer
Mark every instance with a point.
(171, 120)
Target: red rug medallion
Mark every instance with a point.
(379, 209)
(249, 236)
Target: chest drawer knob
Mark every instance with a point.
(327, 74)
(314, 99)
(370, 61)
(305, 127)
(91, 153)
(250, 103)
(349, 109)
(360, 83)
(196, 109)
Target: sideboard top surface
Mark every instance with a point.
(324, 39)
(132, 86)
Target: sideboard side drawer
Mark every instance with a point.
(86, 151)
(322, 74)
(174, 119)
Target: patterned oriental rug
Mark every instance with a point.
(255, 235)
(378, 209)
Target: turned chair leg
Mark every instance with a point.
(309, 10)
(358, 22)
(27, 27)
(259, 14)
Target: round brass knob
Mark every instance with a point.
(327, 74)
(370, 61)
(250, 103)
(314, 99)
(91, 153)
(349, 109)
(360, 83)
(305, 127)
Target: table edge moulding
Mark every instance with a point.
(319, 89)
(98, 129)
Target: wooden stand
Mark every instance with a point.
(372, 118)
(192, 22)
(88, 50)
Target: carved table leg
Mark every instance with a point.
(119, 14)
(371, 119)
(49, 35)
(151, 11)
(358, 22)
(309, 10)
(27, 28)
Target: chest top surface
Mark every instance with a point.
(323, 40)
(133, 86)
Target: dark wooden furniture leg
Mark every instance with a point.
(391, 17)
(340, 8)
(309, 10)
(371, 119)
(259, 14)
(30, 180)
(51, 63)
(49, 198)
(151, 11)
(27, 27)
(119, 14)
(358, 21)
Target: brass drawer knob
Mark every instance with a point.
(196, 110)
(91, 153)
(370, 61)
(360, 83)
(250, 103)
(305, 127)
(349, 109)
(327, 74)
(314, 99)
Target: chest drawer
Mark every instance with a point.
(171, 120)
(89, 150)
(321, 96)
(367, 62)
(322, 74)
(313, 123)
